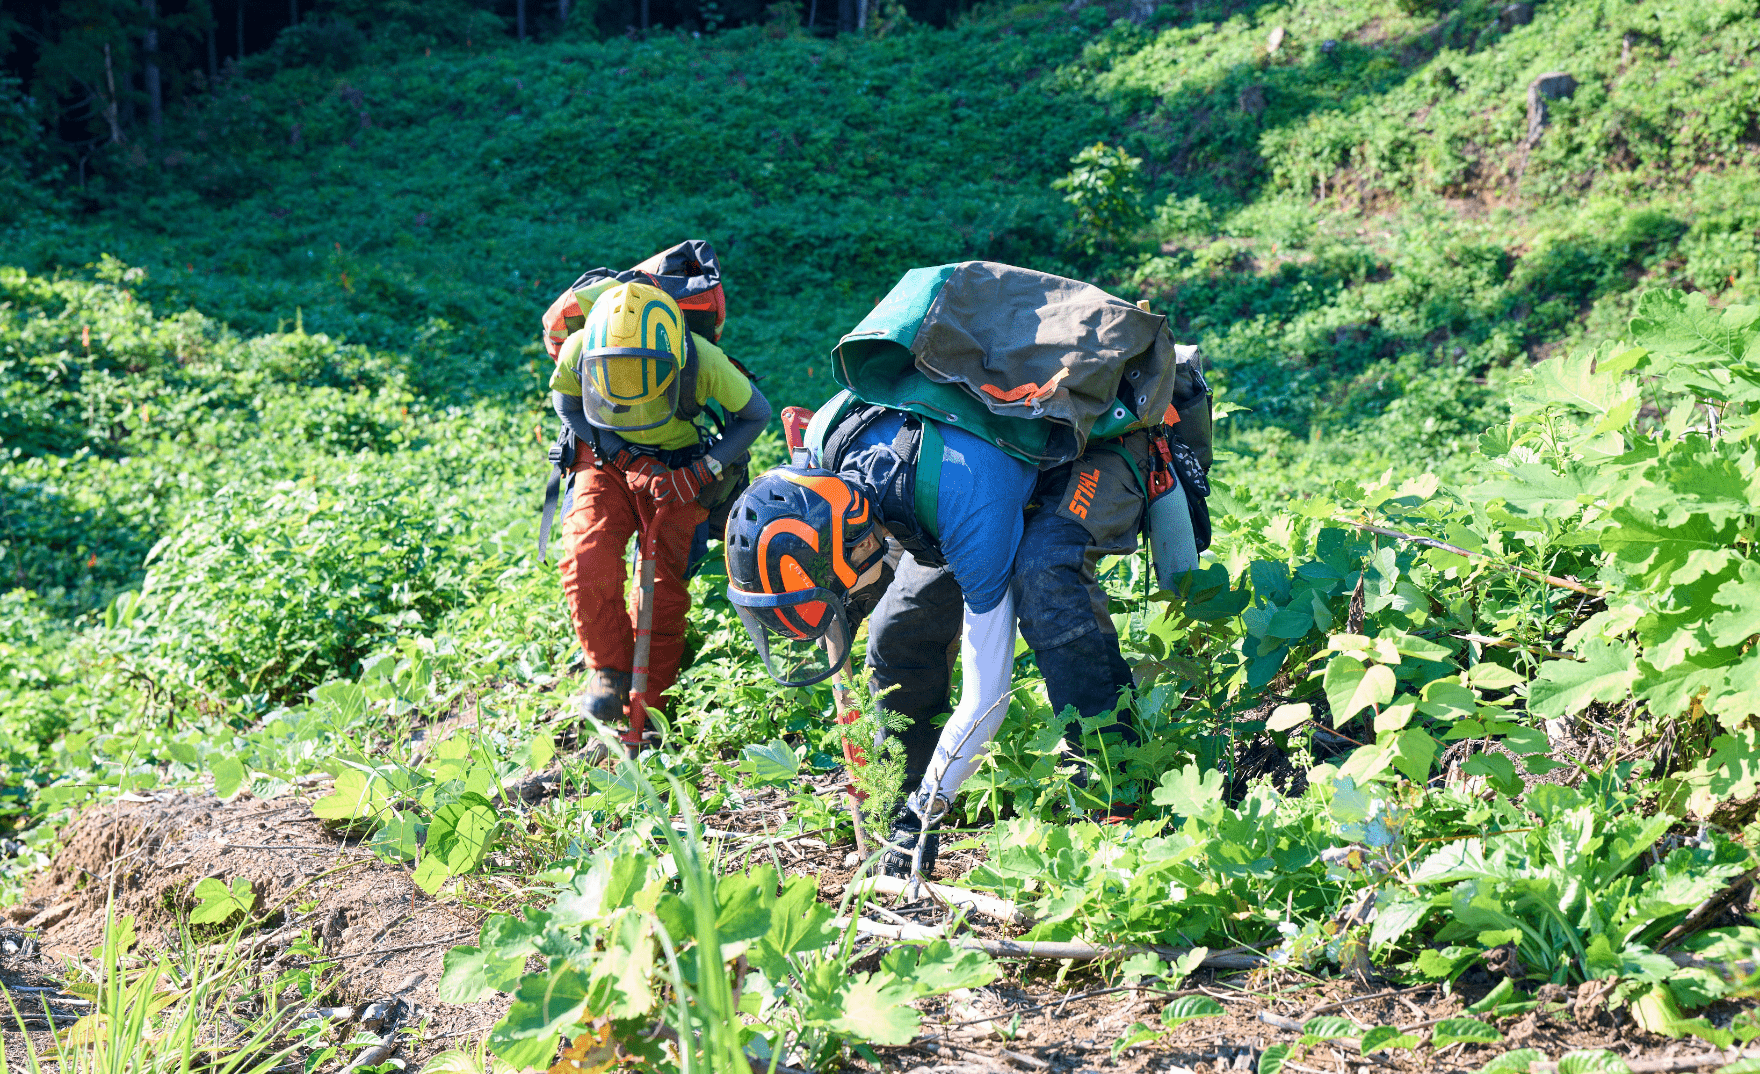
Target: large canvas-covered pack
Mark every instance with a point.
(1034, 363)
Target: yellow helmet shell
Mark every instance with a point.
(632, 350)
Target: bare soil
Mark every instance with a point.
(380, 937)
(385, 939)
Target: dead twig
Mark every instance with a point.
(1710, 908)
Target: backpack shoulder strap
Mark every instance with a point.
(688, 407)
(931, 451)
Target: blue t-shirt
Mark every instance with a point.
(980, 512)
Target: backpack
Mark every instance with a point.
(689, 272)
(1039, 365)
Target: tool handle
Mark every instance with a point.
(794, 427)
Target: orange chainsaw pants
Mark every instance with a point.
(605, 514)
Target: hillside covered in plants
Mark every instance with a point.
(1464, 702)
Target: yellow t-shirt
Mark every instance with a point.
(717, 381)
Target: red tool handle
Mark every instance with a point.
(794, 426)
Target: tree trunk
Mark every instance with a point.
(846, 16)
(644, 16)
(519, 8)
(240, 24)
(861, 15)
(292, 12)
(812, 15)
(150, 49)
(110, 116)
(562, 11)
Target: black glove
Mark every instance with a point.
(907, 828)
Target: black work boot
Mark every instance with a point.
(606, 696)
(907, 829)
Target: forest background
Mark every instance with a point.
(272, 408)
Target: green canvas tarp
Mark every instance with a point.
(1034, 363)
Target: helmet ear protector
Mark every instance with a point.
(790, 543)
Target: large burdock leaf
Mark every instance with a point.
(1565, 687)
(872, 1007)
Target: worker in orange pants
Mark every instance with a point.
(629, 386)
(595, 535)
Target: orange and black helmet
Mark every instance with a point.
(791, 568)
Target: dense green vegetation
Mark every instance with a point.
(272, 431)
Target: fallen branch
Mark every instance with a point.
(1710, 908)
(989, 905)
(1526, 572)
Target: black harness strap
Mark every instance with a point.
(562, 456)
(898, 506)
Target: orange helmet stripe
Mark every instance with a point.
(837, 494)
(799, 529)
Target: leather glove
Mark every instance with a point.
(639, 471)
(681, 485)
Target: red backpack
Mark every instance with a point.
(689, 272)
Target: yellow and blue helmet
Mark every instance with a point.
(633, 349)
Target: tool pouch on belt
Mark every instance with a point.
(1104, 494)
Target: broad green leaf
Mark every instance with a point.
(1271, 1060)
(1351, 687)
(1446, 699)
(743, 902)
(872, 1007)
(431, 872)
(939, 967)
(1412, 752)
(1386, 1038)
(798, 921)
(1566, 687)
(229, 776)
(1471, 1030)
(1138, 1033)
(462, 978)
(1488, 676)
(220, 902)
(1591, 1061)
(1140, 965)
(770, 764)
(1285, 717)
(522, 1052)
(548, 1001)
(1395, 918)
(1516, 1061)
(1325, 1028)
(1190, 791)
(1678, 323)
(1185, 1008)
(1742, 597)
(398, 839)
